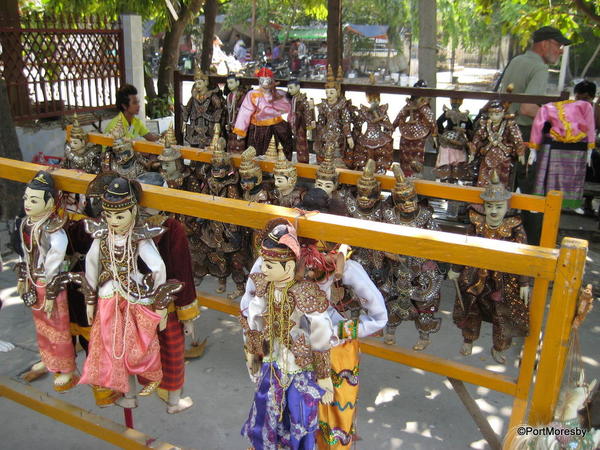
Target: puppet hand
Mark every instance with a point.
(524, 294)
(452, 275)
(350, 142)
(532, 157)
(188, 327)
(589, 158)
(309, 134)
(163, 313)
(90, 310)
(327, 385)
(471, 157)
(521, 160)
(48, 307)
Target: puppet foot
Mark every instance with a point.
(127, 402)
(36, 371)
(421, 344)
(183, 404)
(466, 349)
(65, 381)
(222, 286)
(149, 389)
(389, 338)
(6, 346)
(498, 356)
(38, 367)
(237, 293)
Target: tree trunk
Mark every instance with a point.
(210, 17)
(334, 25)
(170, 54)
(427, 42)
(149, 85)
(452, 61)
(10, 191)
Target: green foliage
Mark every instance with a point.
(159, 106)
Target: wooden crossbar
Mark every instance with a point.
(90, 423)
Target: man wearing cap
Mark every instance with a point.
(528, 74)
(260, 114)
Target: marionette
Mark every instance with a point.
(251, 177)
(414, 282)
(260, 116)
(334, 124)
(498, 142)
(376, 142)
(174, 250)
(327, 179)
(41, 284)
(220, 248)
(123, 159)
(79, 153)
(234, 95)
(125, 307)
(286, 193)
(286, 325)
(175, 174)
(416, 123)
(455, 129)
(561, 164)
(302, 119)
(203, 114)
(487, 295)
(367, 204)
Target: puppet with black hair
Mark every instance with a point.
(124, 307)
(234, 96)
(287, 326)
(44, 245)
(302, 119)
(416, 123)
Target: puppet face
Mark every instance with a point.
(496, 116)
(276, 271)
(326, 185)
(77, 145)
(265, 82)
(332, 95)
(248, 183)
(283, 183)
(406, 205)
(366, 200)
(200, 87)
(293, 88)
(495, 212)
(120, 221)
(233, 84)
(169, 167)
(34, 203)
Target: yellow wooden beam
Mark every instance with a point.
(489, 254)
(551, 365)
(98, 426)
(423, 187)
(395, 353)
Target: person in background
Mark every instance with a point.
(322, 48)
(302, 50)
(586, 90)
(528, 74)
(239, 50)
(129, 107)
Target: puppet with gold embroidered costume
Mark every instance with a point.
(487, 295)
(203, 114)
(454, 129)
(288, 326)
(234, 96)
(123, 159)
(124, 306)
(414, 283)
(220, 249)
(79, 153)
(41, 280)
(334, 123)
(498, 142)
(416, 123)
(301, 118)
(286, 193)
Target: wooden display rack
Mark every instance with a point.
(564, 267)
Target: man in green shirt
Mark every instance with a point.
(528, 74)
(129, 107)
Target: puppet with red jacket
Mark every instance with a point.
(260, 116)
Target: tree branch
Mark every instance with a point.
(588, 10)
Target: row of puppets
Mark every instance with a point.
(125, 276)
(466, 152)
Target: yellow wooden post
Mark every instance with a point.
(551, 222)
(569, 273)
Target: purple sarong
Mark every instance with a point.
(299, 423)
